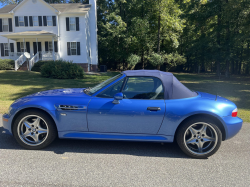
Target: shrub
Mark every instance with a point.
(60, 69)
(37, 66)
(7, 64)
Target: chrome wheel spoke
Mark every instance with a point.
(193, 131)
(42, 131)
(203, 129)
(26, 134)
(200, 146)
(35, 138)
(208, 139)
(27, 124)
(191, 140)
(36, 123)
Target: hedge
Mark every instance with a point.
(7, 64)
(61, 69)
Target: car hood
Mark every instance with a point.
(61, 92)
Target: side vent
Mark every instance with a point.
(70, 107)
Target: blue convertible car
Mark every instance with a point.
(142, 105)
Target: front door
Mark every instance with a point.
(140, 112)
(35, 47)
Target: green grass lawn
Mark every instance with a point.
(14, 85)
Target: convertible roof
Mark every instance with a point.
(173, 88)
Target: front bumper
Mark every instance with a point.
(7, 124)
(232, 126)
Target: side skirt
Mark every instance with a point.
(114, 136)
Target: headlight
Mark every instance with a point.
(9, 110)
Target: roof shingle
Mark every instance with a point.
(61, 7)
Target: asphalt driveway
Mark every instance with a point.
(108, 163)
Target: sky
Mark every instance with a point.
(1, 5)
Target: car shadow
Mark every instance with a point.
(61, 146)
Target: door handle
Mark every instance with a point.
(153, 108)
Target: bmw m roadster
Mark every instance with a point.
(135, 105)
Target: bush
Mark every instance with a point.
(37, 66)
(7, 64)
(60, 69)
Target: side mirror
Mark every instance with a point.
(117, 97)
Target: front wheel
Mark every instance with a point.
(34, 129)
(199, 138)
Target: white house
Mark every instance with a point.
(49, 31)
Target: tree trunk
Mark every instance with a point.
(218, 41)
(158, 36)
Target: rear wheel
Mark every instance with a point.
(34, 129)
(199, 137)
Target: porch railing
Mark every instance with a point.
(48, 55)
(19, 62)
(33, 60)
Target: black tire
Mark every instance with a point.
(190, 144)
(49, 137)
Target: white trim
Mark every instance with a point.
(20, 4)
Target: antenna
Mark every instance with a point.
(217, 88)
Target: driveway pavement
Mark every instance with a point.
(107, 163)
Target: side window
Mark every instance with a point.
(143, 88)
(112, 90)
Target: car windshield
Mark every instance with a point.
(91, 91)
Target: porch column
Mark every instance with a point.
(9, 47)
(24, 45)
(53, 49)
(36, 46)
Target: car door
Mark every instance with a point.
(141, 111)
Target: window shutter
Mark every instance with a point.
(31, 21)
(46, 46)
(28, 47)
(1, 26)
(67, 23)
(16, 21)
(78, 48)
(18, 47)
(26, 21)
(77, 23)
(68, 48)
(10, 24)
(55, 46)
(12, 47)
(2, 49)
(54, 20)
(44, 21)
(40, 21)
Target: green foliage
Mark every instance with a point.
(156, 59)
(60, 69)
(171, 60)
(133, 60)
(37, 66)
(7, 64)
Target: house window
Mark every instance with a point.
(50, 47)
(73, 48)
(6, 49)
(5, 25)
(21, 21)
(35, 20)
(49, 21)
(23, 49)
(72, 23)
